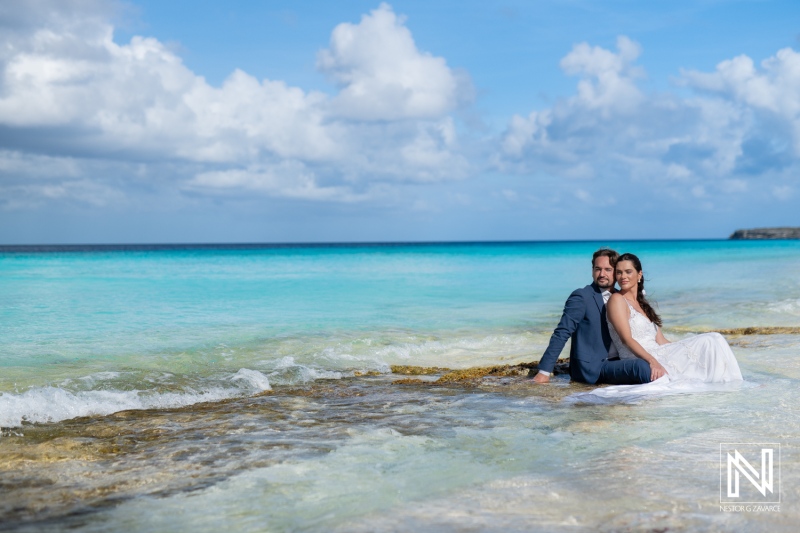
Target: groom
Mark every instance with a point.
(584, 320)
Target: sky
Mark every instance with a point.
(356, 121)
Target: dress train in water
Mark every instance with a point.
(701, 363)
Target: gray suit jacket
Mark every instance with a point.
(584, 320)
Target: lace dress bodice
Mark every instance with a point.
(642, 330)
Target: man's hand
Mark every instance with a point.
(541, 378)
(656, 371)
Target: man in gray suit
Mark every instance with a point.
(584, 320)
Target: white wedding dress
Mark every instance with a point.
(700, 363)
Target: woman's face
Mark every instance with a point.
(627, 275)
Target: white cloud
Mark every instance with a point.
(678, 172)
(607, 80)
(783, 192)
(382, 74)
(774, 89)
(26, 167)
(29, 180)
(522, 132)
(583, 195)
(139, 98)
(734, 185)
(708, 145)
(67, 86)
(509, 194)
(288, 180)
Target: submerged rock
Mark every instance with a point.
(762, 330)
(408, 370)
(474, 374)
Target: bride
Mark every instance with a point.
(681, 366)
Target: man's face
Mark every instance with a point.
(603, 273)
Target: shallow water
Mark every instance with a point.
(204, 389)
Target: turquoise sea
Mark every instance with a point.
(250, 388)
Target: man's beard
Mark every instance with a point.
(605, 284)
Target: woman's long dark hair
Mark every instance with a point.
(643, 303)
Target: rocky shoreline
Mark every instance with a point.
(766, 233)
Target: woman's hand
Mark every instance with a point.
(656, 370)
(660, 339)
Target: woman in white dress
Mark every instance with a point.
(635, 330)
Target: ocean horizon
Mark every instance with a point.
(122, 246)
(297, 386)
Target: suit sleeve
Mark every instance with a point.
(574, 311)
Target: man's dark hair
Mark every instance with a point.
(607, 252)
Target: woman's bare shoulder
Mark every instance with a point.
(616, 305)
(616, 297)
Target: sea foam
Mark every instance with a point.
(254, 378)
(53, 404)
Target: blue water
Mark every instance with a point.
(202, 313)
(95, 331)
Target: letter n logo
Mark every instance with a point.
(741, 460)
